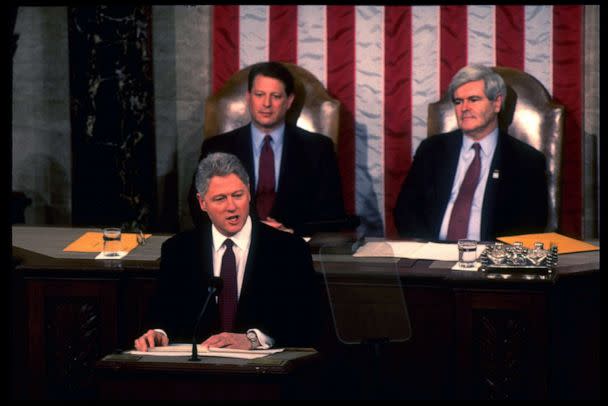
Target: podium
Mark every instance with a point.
(291, 374)
(472, 336)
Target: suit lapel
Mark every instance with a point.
(287, 159)
(205, 254)
(249, 269)
(492, 187)
(287, 174)
(444, 176)
(245, 154)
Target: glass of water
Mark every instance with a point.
(112, 244)
(467, 253)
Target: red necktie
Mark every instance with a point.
(228, 297)
(265, 192)
(461, 212)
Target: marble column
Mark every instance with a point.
(111, 105)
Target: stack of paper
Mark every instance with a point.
(186, 349)
(412, 250)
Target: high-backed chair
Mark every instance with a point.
(530, 115)
(313, 108)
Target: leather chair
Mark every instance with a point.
(530, 115)
(313, 108)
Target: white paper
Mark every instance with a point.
(391, 249)
(121, 254)
(186, 350)
(412, 250)
(474, 268)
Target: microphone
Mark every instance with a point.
(215, 286)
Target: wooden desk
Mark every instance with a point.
(291, 374)
(472, 337)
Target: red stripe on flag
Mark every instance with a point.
(453, 43)
(510, 32)
(341, 85)
(567, 85)
(398, 110)
(225, 44)
(283, 33)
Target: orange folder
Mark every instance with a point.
(92, 241)
(565, 245)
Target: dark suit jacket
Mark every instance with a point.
(516, 202)
(279, 296)
(309, 189)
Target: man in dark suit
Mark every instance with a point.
(272, 297)
(477, 182)
(303, 191)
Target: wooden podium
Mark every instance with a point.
(291, 374)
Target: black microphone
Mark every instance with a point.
(215, 286)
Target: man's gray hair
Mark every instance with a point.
(218, 164)
(494, 86)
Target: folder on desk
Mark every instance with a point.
(92, 241)
(565, 245)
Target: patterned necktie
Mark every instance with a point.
(228, 297)
(461, 212)
(265, 192)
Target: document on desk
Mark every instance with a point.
(186, 349)
(413, 250)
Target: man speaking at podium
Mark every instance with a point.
(269, 295)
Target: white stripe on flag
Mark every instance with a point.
(253, 35)
(369, 115)
(312, 40)
(538, 40)
(425, 68)
(480, 35)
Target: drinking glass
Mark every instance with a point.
(467, 253)
(112, 244)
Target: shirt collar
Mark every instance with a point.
(276, 134)
(240, 239)
(487, 144)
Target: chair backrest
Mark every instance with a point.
(313, 108)
(530, 115)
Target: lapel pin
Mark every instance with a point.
(495, 174)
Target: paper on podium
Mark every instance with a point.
(412, 250)
(565, 245)
(186, 349)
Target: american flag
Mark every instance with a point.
(385, 64)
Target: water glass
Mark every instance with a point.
(112, 244)
(467, 253)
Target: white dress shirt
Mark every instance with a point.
(467, 153)
(242, 242)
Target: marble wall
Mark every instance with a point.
(112, 116)
(41, 115)
(591, 114)
(182, 81)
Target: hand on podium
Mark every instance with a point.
(228, 340)
(151, 339)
